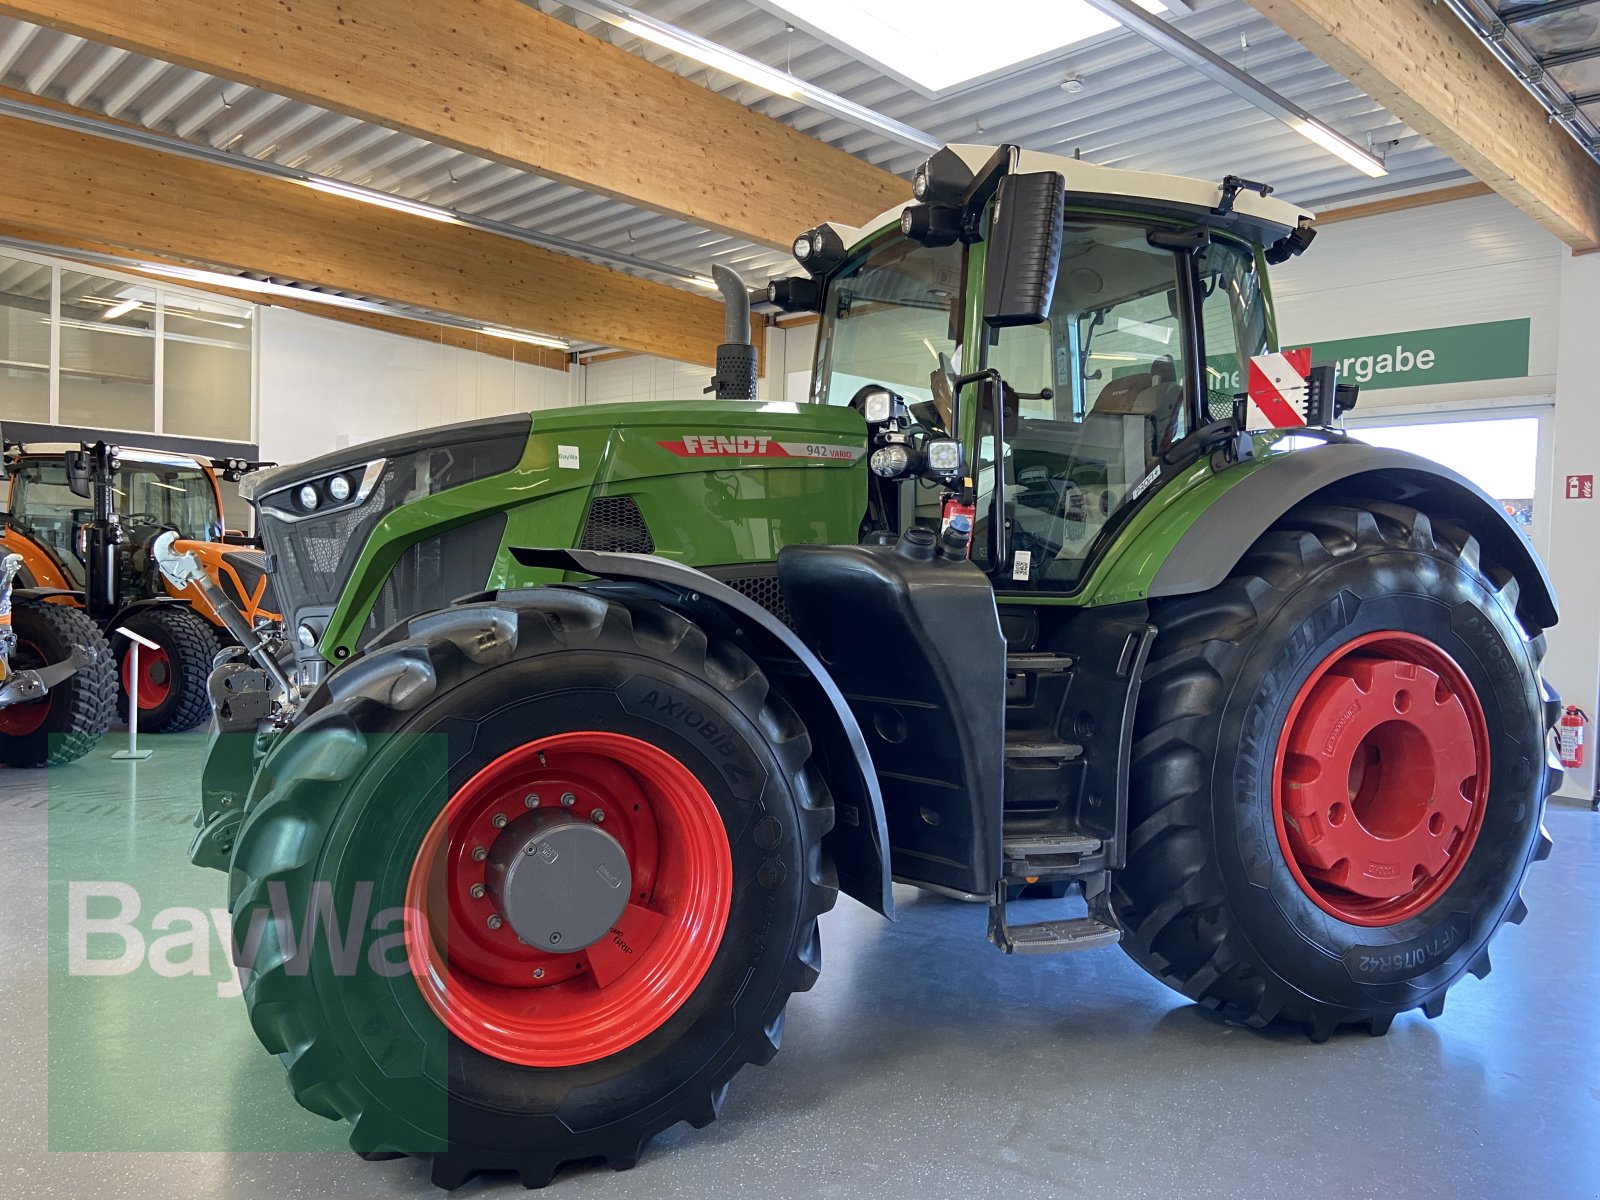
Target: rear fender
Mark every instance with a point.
(1345, 472)
(860, 838)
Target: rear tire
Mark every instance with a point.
(70, 720)
(173, 695)
(349, 797)
(1224, 897)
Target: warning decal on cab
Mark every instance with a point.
(1277, 390)
(745, 445)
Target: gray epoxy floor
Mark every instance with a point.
(924, 1064)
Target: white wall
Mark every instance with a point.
(642, 377)
(1445, 264)
(1573, 664)
(326, 384)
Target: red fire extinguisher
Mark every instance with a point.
(1570, 734)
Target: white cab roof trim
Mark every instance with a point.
(1089, 178)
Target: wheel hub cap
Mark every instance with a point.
(559, 880)
(1382, 775)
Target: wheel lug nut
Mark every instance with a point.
(568, 799)
(494, 921)
(479, 854)
(597, 816)
(531, 799)
(538, 972)
(477, 891)
(499, 821)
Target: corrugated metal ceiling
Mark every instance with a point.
(1138, 108)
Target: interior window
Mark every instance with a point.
(1098, 392)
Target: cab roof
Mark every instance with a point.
(1259, 219)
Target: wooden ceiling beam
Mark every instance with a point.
(72, 189)
(499, 79)
(1423, 64)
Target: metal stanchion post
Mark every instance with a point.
(135, 642)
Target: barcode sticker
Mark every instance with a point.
(1022, 565)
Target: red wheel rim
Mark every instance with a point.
(19, 720)
(540, 1009)
(154, 684)
(1381, 778)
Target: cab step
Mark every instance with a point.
(1025, 849)
(1043, 751)
(1062, 937)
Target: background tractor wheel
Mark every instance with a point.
(1339, 772)
(171, 687)
(69, 721)
(526, 1018)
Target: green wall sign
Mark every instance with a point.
(1454, 354)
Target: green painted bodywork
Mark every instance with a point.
(735, 508)
(704, 509)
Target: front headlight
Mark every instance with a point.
(891, 462)
(308, 497)
(306, 636)
(339, 488)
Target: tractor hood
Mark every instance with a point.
(365, 536)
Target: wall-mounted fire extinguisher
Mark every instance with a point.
(1570, 734)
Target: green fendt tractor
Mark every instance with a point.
(595, 712)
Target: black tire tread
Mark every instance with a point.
(1172, 908)
(92, 691)
(418, 661)
(187, 636)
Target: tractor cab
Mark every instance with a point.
(1080, 339)
(50, 504)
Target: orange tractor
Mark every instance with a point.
(84, 519)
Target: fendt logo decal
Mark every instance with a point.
(748, 445)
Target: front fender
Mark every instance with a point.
(860, 836)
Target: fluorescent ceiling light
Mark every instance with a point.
(120, 310)
(937, 45)
(704, 281)
(1333, 143)
(532, 339)
(1136, 15)
(382, 199)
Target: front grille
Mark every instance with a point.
(314, 555)
(616, 524)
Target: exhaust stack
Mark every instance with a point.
(736, 357)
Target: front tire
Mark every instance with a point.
(475, 1039)
(1340, 768)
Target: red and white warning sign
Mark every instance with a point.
(1277, 390)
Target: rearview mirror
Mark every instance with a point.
(78, 473)
(1019, 277)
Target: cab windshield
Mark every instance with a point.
(887, 318)
(147, 497)
(1111, 382)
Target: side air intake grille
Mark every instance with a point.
(616, 524)
(764, 590)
